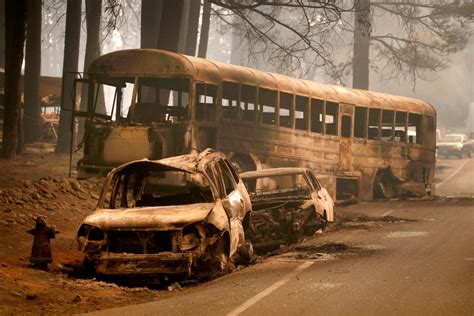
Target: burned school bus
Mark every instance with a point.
(366, 144)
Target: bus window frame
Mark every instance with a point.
(262, 98)
(336, 117)
(77, 112)
(379, 124)
(405, 130)
(216, 100)
(291, 110)
(306, 112)
(134, 100)
(392, 132)
(323, 115)
(419, 136)
(364, 109)
(238, 109)
(245, 110)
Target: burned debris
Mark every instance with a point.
(177, 216)
(288, 203)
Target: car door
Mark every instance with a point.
(235, 201)
(234, 204)
(322, 197)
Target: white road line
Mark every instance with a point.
(452, 174)
(387, 213)
(269, 290)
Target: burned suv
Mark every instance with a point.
(287, 203)
(177, 215)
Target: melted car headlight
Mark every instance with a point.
(90, 238)
(188, 242)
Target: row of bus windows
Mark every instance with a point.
(386, 125)
(240, 102)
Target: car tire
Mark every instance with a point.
(220, 254)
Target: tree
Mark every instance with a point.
(150, 23)
(193, 26)
(93, 22)
(32, 99)
(427, 33)
(170, 26)
(15, 26)
(70, 67)
(301, 38)
(204, 34)
(2, 34)
(294, 36)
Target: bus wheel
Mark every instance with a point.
(242, 162)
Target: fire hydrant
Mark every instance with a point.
(41, 251)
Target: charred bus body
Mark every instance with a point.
(366, 144)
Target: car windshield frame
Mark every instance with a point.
(256, 193)
(134, 197)
(452, 139)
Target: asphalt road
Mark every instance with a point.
(460, 181)
(421, 263)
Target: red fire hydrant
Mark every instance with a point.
(41, 251)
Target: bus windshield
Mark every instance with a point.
(142, 99)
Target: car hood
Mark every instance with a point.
(149, 218)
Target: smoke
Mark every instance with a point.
(450, 91)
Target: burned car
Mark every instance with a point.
(175, 216)
(454, 144)
(287, 203)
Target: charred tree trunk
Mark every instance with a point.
(183, 28)
(93, 16)
(170, 27)
(150, 23)
(206, 18)
(193, 25)
(32, 99)
(362, 30)
(70, 66)
(2, 34)
(15, 26)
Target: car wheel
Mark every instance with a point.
(245, 254)
(220, 255)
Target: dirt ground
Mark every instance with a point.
(37, 184)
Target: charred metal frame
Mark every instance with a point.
(285, 216)
(164, 238)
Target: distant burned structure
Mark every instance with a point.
(366, 144)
